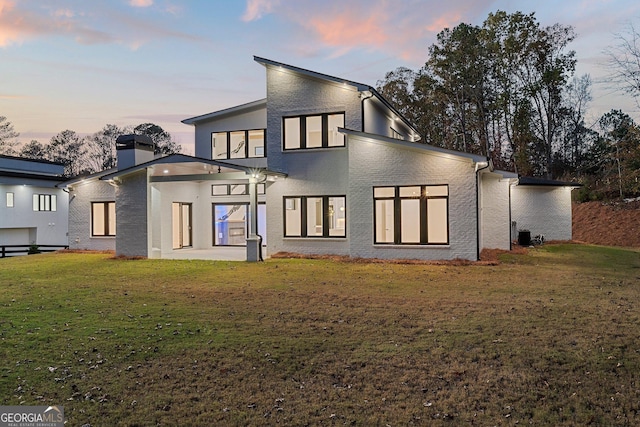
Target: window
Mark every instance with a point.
(103, 219)
(9, 200)
(234, 189)
(318, 216)
(313, 131)
(237, 144)
(45, 202)
(413, 215)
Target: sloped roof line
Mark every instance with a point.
(361, 87)
(231, 110)
(421, 146)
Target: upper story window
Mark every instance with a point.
(45, 202)
(239, 144)
(313, 131)
(234, 189)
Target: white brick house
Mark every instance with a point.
(322, 165)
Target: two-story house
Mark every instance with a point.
(322, 165)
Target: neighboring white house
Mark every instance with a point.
(33, 211)
(322, 165)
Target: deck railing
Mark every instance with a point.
(13, 250)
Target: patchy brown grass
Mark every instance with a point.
(547, 337)
(355, 260)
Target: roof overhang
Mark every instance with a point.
(542, 182)
(419, 146)
(181, 167)
(244, 108)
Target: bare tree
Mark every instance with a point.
(623, 62)
(7, 137)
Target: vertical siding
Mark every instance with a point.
(543, 210)
(82, 194)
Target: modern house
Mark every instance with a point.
(322, 165)
(33, 211)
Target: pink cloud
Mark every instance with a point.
(257, 8)
(345, 30)
(140, 3)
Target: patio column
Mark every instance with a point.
(253, 241)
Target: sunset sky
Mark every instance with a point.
(79, 65)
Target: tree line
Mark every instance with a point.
(507, 89)
(83, 155)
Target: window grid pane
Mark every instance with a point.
(219, 145)
(335, 121)
(314, 131)
(291, 133)
(385, 229)
(256, 143)
(237, 145)
(314, 216)
(337, 216)
(293, 216)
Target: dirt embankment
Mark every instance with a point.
(610, 223)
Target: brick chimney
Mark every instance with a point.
(133, 150)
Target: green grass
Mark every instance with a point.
(548, 338)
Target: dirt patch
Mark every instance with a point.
(607, 223)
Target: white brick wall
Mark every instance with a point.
(494, 212)
(378, 164)
(131, 215)
(316, 172)
(290, 94)
(542, 210)
(81, 196)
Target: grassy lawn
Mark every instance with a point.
(549, 338)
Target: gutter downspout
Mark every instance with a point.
(478, 225)
(364, 98)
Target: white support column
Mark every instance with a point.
(253, 241)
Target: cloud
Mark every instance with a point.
(140, 3)
(20, 22)
(258, 8)
(401, 29)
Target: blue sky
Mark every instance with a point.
(79, 65)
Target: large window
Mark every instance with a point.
(318, 216)
(237, 144)
(103, 219)
(412, 215)
(45, 202)
(313, 131)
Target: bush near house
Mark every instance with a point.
(548, 338)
